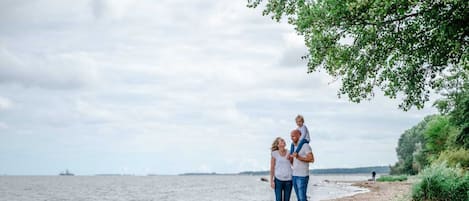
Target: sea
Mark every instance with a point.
(165, 188)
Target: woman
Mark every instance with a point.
(280, 170)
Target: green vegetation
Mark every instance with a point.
(410, 150)
(400, 47)
(455, 157)
(456, 106)
(434, 140)
(440, 182)
(390, 178)
(437, 149)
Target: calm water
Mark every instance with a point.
(161, 188)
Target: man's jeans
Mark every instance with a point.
(300, 184)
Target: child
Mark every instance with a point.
(304, 138)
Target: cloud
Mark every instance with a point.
(5, 103)
(110, 8)
(294, 49)
(3, 125)
(62, 71)
(17, 17)
(292, 57)
(133, 83)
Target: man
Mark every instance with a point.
(301, 162)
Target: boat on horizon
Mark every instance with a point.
(66, 173)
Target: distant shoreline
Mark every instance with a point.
(359, 170)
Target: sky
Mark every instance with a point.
(168, 87)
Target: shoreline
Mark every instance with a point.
(378, 191)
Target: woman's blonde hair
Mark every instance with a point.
(275, 144)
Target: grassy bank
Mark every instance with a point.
(392, 178)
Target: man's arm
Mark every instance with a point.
(309, 158)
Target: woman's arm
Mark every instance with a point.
(272, 172)
(290, 157)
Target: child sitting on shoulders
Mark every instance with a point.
(304, 138)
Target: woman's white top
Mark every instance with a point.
(283, 170)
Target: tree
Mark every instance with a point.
(410, 149)
(455, 104)
(436, 135)
(401, 47)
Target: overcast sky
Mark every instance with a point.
(167, 87)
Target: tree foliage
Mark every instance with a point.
(434, 139)
(436, 135)
(455, 104)
(410, 152)
(402, 47)
(454, 157)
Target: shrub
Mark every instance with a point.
(442, 183)
(455, 157)
(389, 178)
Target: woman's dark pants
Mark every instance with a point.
(283, 187)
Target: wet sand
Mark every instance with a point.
(379, 191)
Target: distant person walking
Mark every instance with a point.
(301, 160)
(280, 170)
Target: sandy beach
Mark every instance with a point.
(395, 191)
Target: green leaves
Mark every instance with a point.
(410, 149)
(437, 132)
(400, 47)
